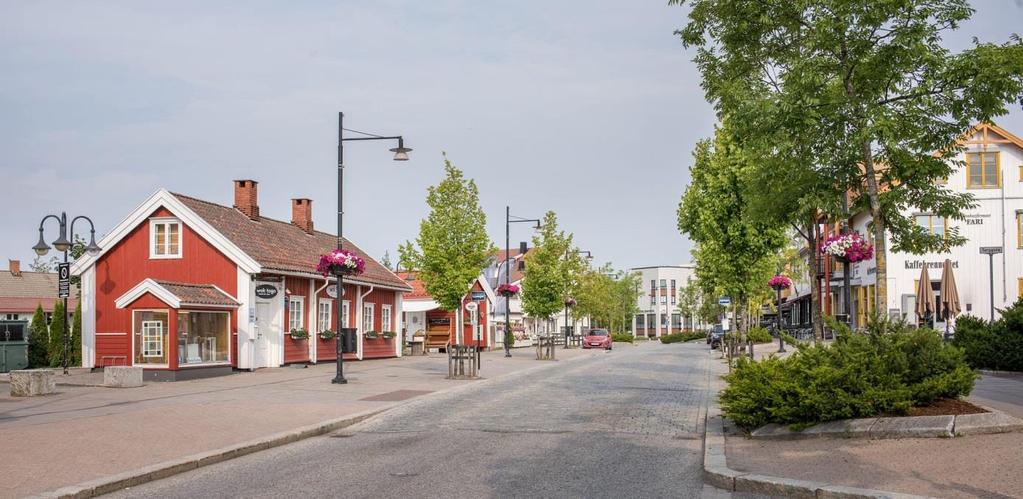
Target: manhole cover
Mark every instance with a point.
(396, 396)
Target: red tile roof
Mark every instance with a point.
(282, 246)
(418, 289)
(516, 274)
(199, 294)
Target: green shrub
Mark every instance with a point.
(56, 346)
(683, 336)
(888, 370)
(621, 337)
(759, 335)
(39, 340)
(993, 345)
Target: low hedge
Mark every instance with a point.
(759, 335)
(622, 338)
(886, 371)
(683, 337)
(994, 345)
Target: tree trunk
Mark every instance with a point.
(880, 246)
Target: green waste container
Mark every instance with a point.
(13, 346)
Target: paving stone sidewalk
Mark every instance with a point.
(970, 466)
(86, 432)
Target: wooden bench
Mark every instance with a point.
(105, 360)
(437, 338)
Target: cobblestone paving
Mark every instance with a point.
(623, 424)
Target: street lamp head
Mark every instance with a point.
(62, 244)
(41, 248)
(93, 249)
(401, 152)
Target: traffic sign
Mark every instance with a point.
(724, 301)
(64, 283)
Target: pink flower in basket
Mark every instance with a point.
(342, 262)
(849, 247)
(508, 289)
(780, 282)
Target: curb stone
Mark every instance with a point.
(993, 421)
(717, 473)
(165, 469)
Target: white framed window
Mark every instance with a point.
(367, 316)
(323, 314)
(385, 318)
(345, 307)
(152, 339)
(295, 309)
(164, 238)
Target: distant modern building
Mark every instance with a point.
(659, 312)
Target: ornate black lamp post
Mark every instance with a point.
(778, 283)
(400, 154)
(507, 270)
(63, 244)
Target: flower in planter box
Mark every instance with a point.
(388, 334)
(299, 334)
(342, 262)
(327, 334)
(372, 334)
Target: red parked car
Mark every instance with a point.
(598, 338)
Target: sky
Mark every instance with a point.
(587, 108)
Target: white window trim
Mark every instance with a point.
(371, 308)
(346, 311)
(385, 312)
(329, 302)
(153, 222)
(291, 310)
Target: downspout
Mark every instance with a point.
(1002, 191)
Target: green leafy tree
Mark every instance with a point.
(57, 321)
(76, 336)
(689, 299)
(735, 251)
(549, 268)
(453, 246)
(869, 88)
(39, 340)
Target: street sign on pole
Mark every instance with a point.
(724, 301)
(64, 284)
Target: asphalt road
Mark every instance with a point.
(1002, 391)
(624, 424)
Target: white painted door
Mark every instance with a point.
(264, 329)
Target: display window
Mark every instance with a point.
(203, 337)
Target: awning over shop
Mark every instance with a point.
(419, 305)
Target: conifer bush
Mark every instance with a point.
(886, 371)
(994, 345)
(39, 340)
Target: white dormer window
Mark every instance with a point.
(164, 238)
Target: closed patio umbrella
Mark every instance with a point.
(949, 294)
(924, 295)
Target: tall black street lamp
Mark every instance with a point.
(507, 270)
(63, 244)
(569, 301)
(991, 251)
(400, 154)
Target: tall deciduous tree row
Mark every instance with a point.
(854, 96)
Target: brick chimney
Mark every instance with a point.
(15, 266)
(302, 214)
(245, 198)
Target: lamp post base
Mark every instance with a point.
(781, 343)
(339, 381)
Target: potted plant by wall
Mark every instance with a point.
(372, 335)
(388, 334)
(327, 334)
(299, 334)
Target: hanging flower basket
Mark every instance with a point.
(299, 334)
(342, 262)
(372, 335)
(780, 282)
(508, 290)
(327, 334)
(848, 248)
(388, 334)
(570, 302)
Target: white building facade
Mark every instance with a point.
(994, 176)
(658, 301)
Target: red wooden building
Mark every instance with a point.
(188, 288)
(422, 314)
